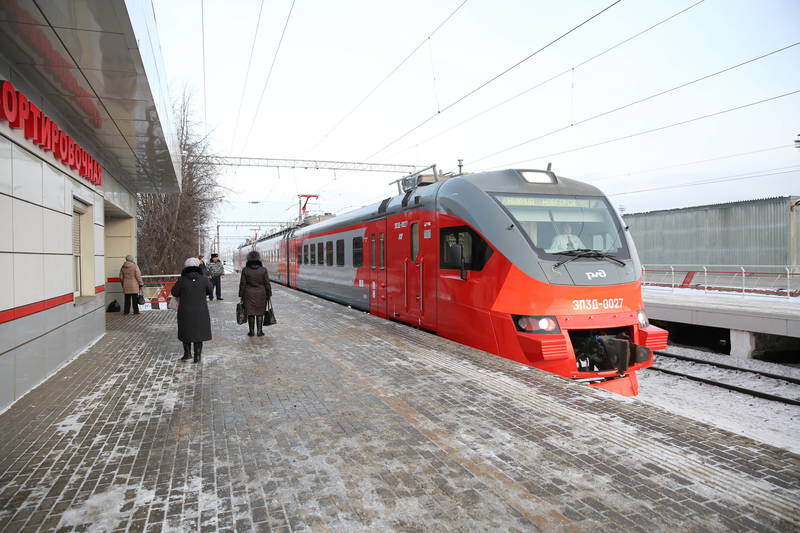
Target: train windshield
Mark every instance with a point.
(558, 224)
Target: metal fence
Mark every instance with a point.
(780, 280)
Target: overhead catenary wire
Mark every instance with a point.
(646, 132)
(269, 74)
(246, 77)
(635, 102)
(495, 78)
(389, 75)
(721, 179)
(557, 76)
(686, 164)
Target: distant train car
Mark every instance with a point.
(520, 263)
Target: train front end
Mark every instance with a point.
(566, 292)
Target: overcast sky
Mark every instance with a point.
(334, 53)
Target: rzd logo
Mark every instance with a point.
(596, 274)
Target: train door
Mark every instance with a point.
(416, 264)
(376, 246)
(290, 257)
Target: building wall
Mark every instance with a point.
(43, 322)
(120, 237)
(755, 232)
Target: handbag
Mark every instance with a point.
(173, 303)
(141, 298)
(269, 318)
(241, 317)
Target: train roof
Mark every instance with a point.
(522, 181)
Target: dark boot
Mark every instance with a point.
(251, 320)
(259, 324)
(187, 351)
(198, 351)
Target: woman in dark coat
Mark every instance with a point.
(194, 324)
(255, 291)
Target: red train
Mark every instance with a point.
(520, 263)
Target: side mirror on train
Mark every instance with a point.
(457, 251)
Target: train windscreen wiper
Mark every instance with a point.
(585, 252)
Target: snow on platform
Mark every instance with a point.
(776, 315)
(340, 421)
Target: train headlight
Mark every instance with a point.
(536, 324)
(642, 317)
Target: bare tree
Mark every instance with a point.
(170, 226)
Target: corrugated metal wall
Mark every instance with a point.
(755, 232)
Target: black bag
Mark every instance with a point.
(269, 318)
(141, 299)
(113, 307)
(241, 317)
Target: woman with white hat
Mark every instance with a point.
(194, 323)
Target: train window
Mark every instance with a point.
(558, 224)
(382, 257)
(305, 254)
(414, 241)
(473, 248)
(329, 253)
(313, 254)
(358, 252)
(320, 253)
(372, 251)
(340, 252)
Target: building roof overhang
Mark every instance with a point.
(98, 66)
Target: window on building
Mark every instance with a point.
(473, 248)
(340, 252)
(382, 257)
(358, 252)
(414, 241)
(83, 281)
(320, 253)
(372, 255)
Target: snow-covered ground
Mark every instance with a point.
(763, 420)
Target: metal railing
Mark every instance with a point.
(157, 289)
(776, 280)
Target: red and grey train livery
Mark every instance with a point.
(520, 263)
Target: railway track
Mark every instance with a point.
(772, 380)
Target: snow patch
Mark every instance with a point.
(70, 424)
(101, 512)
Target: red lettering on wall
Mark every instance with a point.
(8, 102)
(20, 113)
(39, 129)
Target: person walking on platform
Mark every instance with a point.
(204, 271)
(194, 323)
(255, 292)
(216, 270)
(130, 277)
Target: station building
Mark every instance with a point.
(84, 127)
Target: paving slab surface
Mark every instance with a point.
(340, 421)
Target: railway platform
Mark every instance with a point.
(340, 421)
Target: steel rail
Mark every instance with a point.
(735, 388)
(730, 367)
